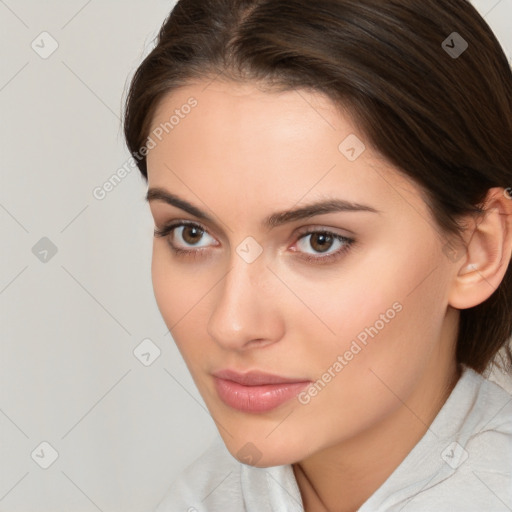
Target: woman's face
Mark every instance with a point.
(352, 299)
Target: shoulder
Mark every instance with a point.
(489, 441)
(479, 457)
(210, 482)
(491, 407)
(464, 460)
(484, 440)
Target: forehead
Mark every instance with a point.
(242, 141)
(244, 118)
(243, 95)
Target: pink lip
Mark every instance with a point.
(256, 391)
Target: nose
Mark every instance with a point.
(246, 313)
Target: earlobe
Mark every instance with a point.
(488, 252)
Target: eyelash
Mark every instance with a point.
(348, 242)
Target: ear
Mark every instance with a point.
(488, 252)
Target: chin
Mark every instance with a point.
(263, 453)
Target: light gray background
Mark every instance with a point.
(70, 324)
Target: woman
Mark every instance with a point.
(330, 185)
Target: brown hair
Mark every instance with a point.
(442, 117)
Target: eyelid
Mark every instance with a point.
(173, 225)
(316, 228)
(303, 232)
(332, 257)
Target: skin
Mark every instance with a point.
(244, 153)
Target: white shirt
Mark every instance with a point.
(462, 463)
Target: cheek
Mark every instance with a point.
(178, 291)
(178, 296)
(165, 284)
(361, 297)
(386, 332)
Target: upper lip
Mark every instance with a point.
(254, 377)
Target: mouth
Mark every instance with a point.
(256, 392)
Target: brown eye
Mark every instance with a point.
(183, 236)
(191, 234)
(314, 243)
(321, 242)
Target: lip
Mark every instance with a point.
(256, 391)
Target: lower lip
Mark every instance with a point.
(257, 398)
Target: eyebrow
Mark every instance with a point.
(273, 220)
